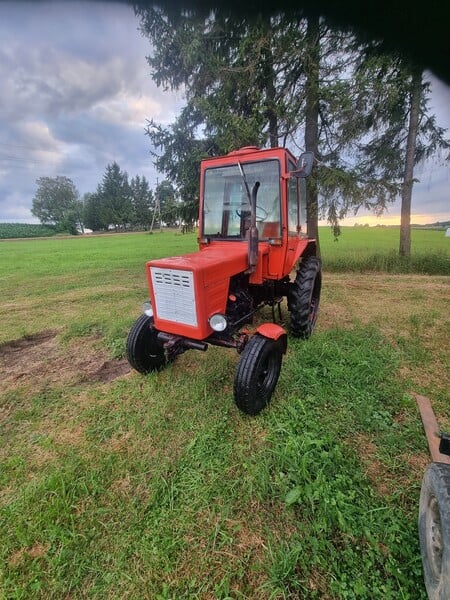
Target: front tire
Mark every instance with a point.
(257, 374)
(434, 530)
(304, 297)
(144, 352)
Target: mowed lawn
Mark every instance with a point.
(115, 485)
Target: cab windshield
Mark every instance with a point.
(226, 205)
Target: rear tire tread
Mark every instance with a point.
(304, 291)
(435, 487)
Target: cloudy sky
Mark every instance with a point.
(76, 93)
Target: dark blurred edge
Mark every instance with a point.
(421, 32)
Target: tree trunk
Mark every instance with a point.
(269, 82)
(408, 174)
(312, 60)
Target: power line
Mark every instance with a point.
(11, 160)
(33, 148)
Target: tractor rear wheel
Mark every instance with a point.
(257, 374)
(434, 530)
(304, 297)
(144, 352)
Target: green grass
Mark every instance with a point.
(82, 282)
(168, 492)
(157, 487)
(376, 249)
(61, 281)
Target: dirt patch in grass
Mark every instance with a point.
(41, 360)
(224, 546)
(374, 469)
(38, 550)
(382, 477)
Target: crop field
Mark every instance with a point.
(116, 485)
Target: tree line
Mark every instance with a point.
(119, 203)
(290, 79)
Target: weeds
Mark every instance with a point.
(349, 536)
(391, 262)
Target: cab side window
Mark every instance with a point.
(293, 221)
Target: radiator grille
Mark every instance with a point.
(174, 295)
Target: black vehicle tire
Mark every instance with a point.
(304, 297)
(257, 374)
(434, 530)
(144, 352)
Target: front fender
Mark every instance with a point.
(274, 332)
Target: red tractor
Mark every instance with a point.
(252, 236)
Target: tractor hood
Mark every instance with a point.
(187, 290)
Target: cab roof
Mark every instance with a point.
(249, 153)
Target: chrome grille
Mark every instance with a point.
(174, 295)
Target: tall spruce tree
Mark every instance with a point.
(93, 215)
(142, 202)
(115, 197)
(277, 80)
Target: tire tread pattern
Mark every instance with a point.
(307, 283)
(249, 396)
(436, 483)
(143, 351)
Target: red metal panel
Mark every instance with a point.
(212, 268)
(431, 428)
(296, 247)
(271, 330)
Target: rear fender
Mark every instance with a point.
(274, 332)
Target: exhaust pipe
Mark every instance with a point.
(170, 341)
(253, 236)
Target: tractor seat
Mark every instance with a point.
(269, 229)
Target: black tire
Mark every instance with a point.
(304, 297)
(257, 374)
(434, 530)
(144, 352)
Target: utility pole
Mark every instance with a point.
(157, 209)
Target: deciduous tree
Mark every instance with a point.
(401, 131)
(56, 202)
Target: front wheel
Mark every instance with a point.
(144, 351)
(257, 374)
(434, 530)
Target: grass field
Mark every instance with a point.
(114, 485)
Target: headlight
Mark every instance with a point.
(147, 308)
(218, 322)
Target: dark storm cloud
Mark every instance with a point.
(75, 95)
(65, 57)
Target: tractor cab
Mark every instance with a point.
(252, 240)
(257, 196)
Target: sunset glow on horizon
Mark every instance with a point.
(373, 220)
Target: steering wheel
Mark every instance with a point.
(261, 213)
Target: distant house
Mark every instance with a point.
(447, 233)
